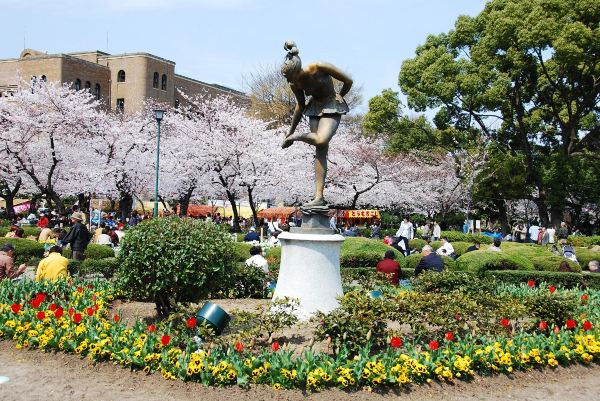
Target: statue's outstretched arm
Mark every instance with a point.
(337, 74)
(298, 110)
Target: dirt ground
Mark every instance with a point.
(35, 375)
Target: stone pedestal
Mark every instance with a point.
(310, 268)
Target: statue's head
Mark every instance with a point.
(291, 66)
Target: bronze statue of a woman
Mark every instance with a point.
(324, 109)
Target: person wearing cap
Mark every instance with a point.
(252, 235)
(80, 214)
(7, 271)
(78, 237)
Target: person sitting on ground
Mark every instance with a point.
(43, 222)
(594, 266)
(252, 235)
(256, 259)
(53, 266)
(390, 267)
(98, 233)
(475, 247)
(446, 248)
(430, 261)
(46, 233)
(12, 233)
(565, 267)
(19, 233)
(7, 271)
(496, 246)
(104, 238)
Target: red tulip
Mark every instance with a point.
(396, 342)
(571, 324)
(587, 325)
(89, 311)
(15, 307)
(505, 322)
(41, 296)
(94, 297)
(165, 340)
(433, 345)
(117, 318)
(71, 311)
(275, 346)
(52, 307)
(543, 325)
(41, 315)
(90, 286)
(152, 328)
(191, 322)
(59, 312)
(239, 347)
(449, 336)
(36, 303)
(556, 329)
(585, 297)
(77, 318)
(552, 289)
(96, 307)
(531, 283)
(457, 316)
(79, 289)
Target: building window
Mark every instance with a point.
(88, 85)
(155, 80)
(77, 84)
(121, 76)
(97, 91)
(121, 105)
(163, 82)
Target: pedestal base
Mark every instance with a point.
(310, 271)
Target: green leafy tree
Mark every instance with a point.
(524, 73)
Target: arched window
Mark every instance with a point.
(163, 82)
(77, 84)
(121, 76)
(88, 85)
(155, 80)
(97, 91)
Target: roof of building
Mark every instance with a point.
(213, 86)
(137, 54)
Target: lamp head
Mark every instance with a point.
(159, 114)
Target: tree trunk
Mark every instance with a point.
(556, 217)
(9, 198)
(125, 205)
(236, 216)
(252, 206)
(53, 197)
(503, 216)
(540, 202)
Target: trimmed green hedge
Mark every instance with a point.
(28, 231)
(481, 261)
(462, 237)
(585, 255)
(581, 241)
(93, 251)
(551, 263)
(25, 249)
(411, 262)
(364, 252)
(417, 243)
(106, 267)
(567, 280)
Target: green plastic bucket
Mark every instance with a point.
(215, 316)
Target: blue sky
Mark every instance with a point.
(218, 40)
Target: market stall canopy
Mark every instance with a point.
(199, 210)
(280, 212)
(359, 214)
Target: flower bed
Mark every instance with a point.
(73, 317)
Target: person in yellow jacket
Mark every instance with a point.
(53, 266)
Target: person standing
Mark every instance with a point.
(7, 252)
(78, 237)
(405, 233)
(563, 231)
(551, 231)
(534, 230)
(437, 231)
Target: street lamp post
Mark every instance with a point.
(158, 114)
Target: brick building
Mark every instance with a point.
(123, 81)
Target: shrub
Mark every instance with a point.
(93, 251)
(417, 243)
(172, 260)
(584, 256)
(107, 267)
(480, 261)
(460, 247)
(552, 262)
(554, 309)
(448, 281)
(462, 237)
(25, 249)
(241, 282)
(29, 231)
(364, 252)
(242, 251)
(411, 262)
(566, 280)
(581, 241)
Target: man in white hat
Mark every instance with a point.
(252, 235)
(78, 236)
